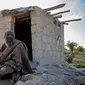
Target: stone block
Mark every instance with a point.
(34, 28)
(47, 47)
(53, 47)
(46, 60)
(48, 54)
(54, 40)
(45, 38)
(35, 57)
(56, 48)
(55, 53)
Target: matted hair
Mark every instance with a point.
(9, 33)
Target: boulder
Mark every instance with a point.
(81, 80)
(20, 83)
(30, 82)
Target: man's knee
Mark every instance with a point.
(5, 70)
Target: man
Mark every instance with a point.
(3, 48)
(14, 58)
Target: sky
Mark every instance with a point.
(75, 31)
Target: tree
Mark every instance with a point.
(79, 49)
(71, 46)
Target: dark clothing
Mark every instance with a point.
(16, 59)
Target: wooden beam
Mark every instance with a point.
(23, 19)
(65, 23)
(22, 15)
(55, 7)
(48, 13)
(59, 16)
(71, 20)
(61, 12)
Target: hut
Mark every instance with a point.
(42, 32)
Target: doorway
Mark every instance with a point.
(23, 31)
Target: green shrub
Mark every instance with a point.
(78, 65)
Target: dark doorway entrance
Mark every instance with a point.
(23, 32)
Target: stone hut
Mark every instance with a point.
(40, 31)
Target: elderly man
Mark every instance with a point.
(14, 58)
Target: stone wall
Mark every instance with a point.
(47, 38)
(5, 25)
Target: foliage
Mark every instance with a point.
(79, 54)
(79, 49)
(71, 45)
(78, 65)
(75, 54)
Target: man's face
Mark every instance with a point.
(9, 39)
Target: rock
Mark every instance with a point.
(33, 78)
(46, 77)
(58, 79)
(33, 64)
(81, 80)
(20, 83)
(6, 82)
(52, 83)
(37, 81)
(40, 70)
(52, 75)
(29, 82)
(27, 77)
